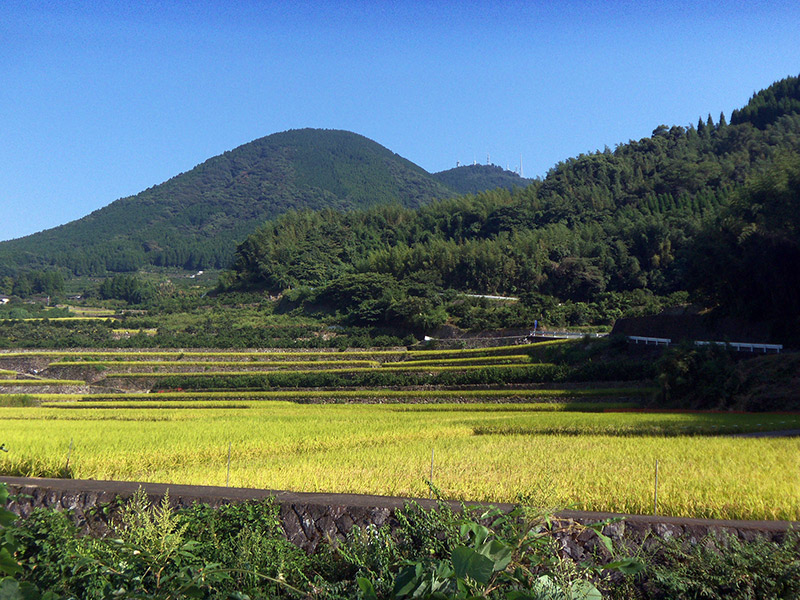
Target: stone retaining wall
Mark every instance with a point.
(309, 519)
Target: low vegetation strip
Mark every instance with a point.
(7, 373)
(304, 396)
(60, 319)
(150, 364)
(439, 366)
(40, 382)
(386, 449)
(123, 355)
(474, 352)
(481, 404)
(151, 404)
(475, 360)
(348, 371)
(645, 428)
(368, 378)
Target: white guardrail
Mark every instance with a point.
(738, 346)
(647, 341)
(745, 346)
(564, 334)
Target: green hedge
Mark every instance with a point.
(374, 378)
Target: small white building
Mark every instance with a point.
(4, 299)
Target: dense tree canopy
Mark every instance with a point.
(747, 260)
(195, 219)
(711, 208)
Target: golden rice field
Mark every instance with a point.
(481, 452)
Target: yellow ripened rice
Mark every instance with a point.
(591, 461)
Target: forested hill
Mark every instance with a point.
(641, 218)
(195, 219)
(471, 179)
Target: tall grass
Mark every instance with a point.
(17, 400)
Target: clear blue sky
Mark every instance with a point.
(100, 100)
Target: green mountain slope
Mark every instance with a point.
(195, 219)
(471, 179)
(636, 220)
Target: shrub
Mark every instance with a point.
(699, 377)
(724, 568)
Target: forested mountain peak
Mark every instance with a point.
(767, 106)
(471, 179)
(195, 219)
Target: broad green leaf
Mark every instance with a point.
(367, 589)
(628, 565)
(13, 590)
(7, 517)
(406, 580)
(598, 529)
(469, 563)
(517, 595)
(3, 494)
(193, 591)
(545, 583)
(443, 570)
(583, 590)
(606, 541)
(499, 552)
(9, 589)
(8, 565)
(479, 532)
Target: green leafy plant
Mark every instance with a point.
(724, 567)
(12, 572)
(466, 554)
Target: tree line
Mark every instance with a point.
(706, 208)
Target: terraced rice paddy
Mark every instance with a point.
(554, 446)
(40, 382)
(387, 450)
